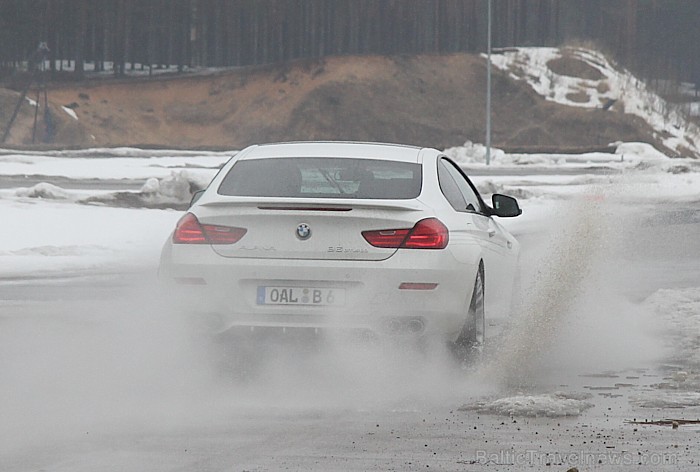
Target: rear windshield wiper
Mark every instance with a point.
(331, 181)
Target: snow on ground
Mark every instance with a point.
(52, 229)
(693, 109)
(550, 404)
(666, 399)
(119, 163)
(625, 156)
(44, 190)
(617, 86)
(48, 236)
(70, 112)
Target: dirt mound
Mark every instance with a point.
(432, 100)
(55, 127)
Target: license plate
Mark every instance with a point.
(300, 296)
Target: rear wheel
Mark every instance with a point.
(469, 346)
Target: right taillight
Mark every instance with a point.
(429, 233)
(190, 231)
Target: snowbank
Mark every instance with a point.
(174, 191)
(475, 153)
(44, 190)
(640, 151)
(625, 155)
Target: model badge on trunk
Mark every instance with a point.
(303, 231)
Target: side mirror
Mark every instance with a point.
(505, 206)
(196, 196)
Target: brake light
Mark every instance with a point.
(429, 233)
(190, 231)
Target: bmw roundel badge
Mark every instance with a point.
(303, 231)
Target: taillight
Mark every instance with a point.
(190, 231)
(430, 233)
(386, 238)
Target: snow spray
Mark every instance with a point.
(555, 286)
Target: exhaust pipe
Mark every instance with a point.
(416, 326)
(404, 325)
(393, 326)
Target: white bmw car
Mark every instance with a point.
(391, 239)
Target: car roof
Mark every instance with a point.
(392, 152)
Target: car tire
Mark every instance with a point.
(469, 346)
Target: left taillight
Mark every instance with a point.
(190, 231)
(429, 233)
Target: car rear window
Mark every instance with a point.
(305, 177)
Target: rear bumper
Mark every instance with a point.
(224, 291)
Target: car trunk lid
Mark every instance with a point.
(312, 229)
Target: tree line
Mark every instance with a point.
(657, 38)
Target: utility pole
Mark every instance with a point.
(488, 87)
(36, 62)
